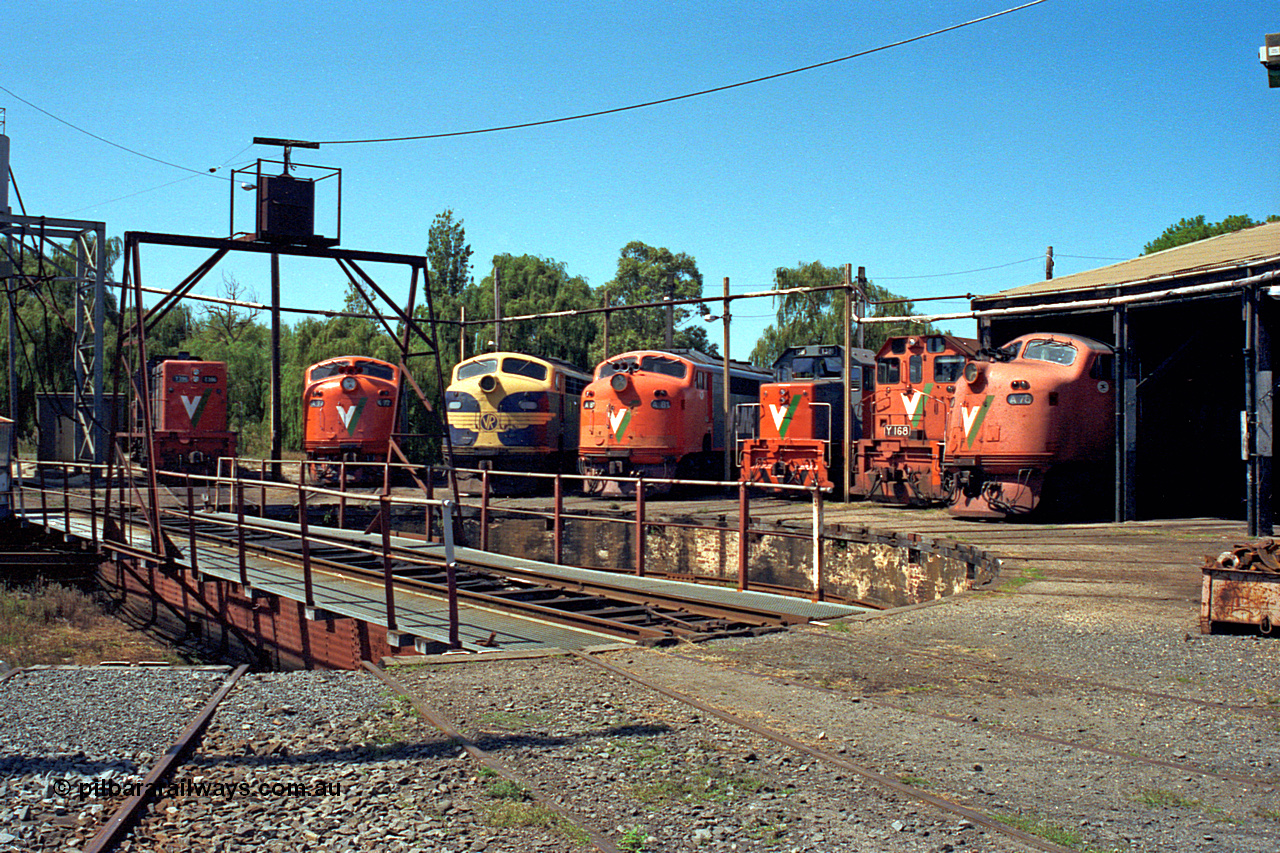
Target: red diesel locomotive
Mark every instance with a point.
(1032, 427)
(798, 437)
(899, 458)
(349, 406)
(658, 414)
(188, 415)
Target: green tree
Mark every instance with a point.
(449, 254)
(647, 274)
(816, 317)
(534, 285)
(1190, 230)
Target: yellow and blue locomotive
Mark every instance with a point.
(513, 412)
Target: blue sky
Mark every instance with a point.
(1088, 126)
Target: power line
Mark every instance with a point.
(959, 272)
(674, 98)
(208, 172)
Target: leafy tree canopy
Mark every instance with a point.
(1190, 230)
(817, 317)
(449, 254)
(532, 285)
(648, 274)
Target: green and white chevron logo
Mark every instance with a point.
(782, 415)
(350, 415)
(912, 404)
(618, 422)
(973, 418)
(195, 407)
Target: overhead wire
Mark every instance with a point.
(687, 95)
(207, 172)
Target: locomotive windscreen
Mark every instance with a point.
(1055, 352)
(524, 367)
(477, 368)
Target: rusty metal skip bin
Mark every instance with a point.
(1242, 587)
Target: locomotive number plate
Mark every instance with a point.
(897, 430)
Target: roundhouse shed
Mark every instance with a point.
(1192, 328)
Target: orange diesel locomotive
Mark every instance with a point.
(899, 458)
(1032, 427)
(349, 409)
(799, 437)
(659, 414)
(188, 414)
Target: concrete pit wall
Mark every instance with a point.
(888, 569)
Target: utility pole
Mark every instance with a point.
(605, 354)
(1048, 264)
(862, 304)
(671, 311)
(729, 448)
(497, 312)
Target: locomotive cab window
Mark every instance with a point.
(700, 380)
(915, 369)
(324, 371)
(666, 366)
(821, 367)
(948, 368)
(477, 368)
(888, 371)
(524, 367)
(935, 343)
(1055, 352)
(373, 368)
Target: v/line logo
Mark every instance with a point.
(195, 407)
(618, 422)
(350, 415)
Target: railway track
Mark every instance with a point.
(645, 616)
(975, 722)
(654, 760)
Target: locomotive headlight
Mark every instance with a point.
(348, 383)
(618, 382)
(1020, 385)
(971, 372)
(488, 383)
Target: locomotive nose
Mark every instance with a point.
(488, 383)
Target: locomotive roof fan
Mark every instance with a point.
(285, 203)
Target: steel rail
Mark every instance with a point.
(480, 600)
(646, 597)
(649, 598)
(601, 843)
(127, 815)
(973, 816)
(987, 727)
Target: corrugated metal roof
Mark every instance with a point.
(1224, 253)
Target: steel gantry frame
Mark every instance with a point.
(39, 236)
(133, 338)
